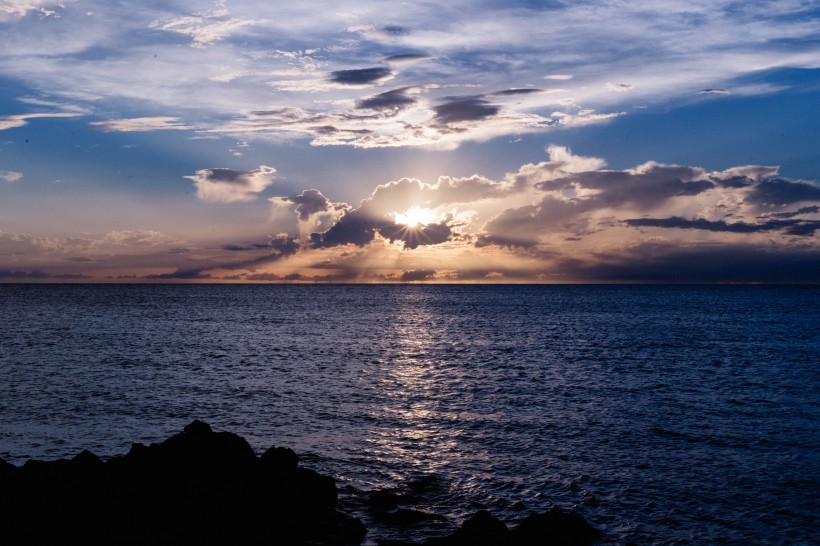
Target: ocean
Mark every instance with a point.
(662, 414)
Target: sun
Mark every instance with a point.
(415, 217)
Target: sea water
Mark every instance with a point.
(663, 414)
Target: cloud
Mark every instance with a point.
(158, 123)
(778, 192)
(310, 203)
(517, 91)
(128, 60)
(567, 218)
(715, 91)
(393, 100)
(361, 76)
(229, 186)
(413, 237)
(10, 176)
(179, 274)
(415, 275)
(585, 205)
(205, 28)
(281, 245)
(464, 109)
(405, 117)
(792, 227)
(20, 120)
(814, 209)
(37, 274)
(19, 8)
(619, 87)
(713, 263)
(406, 58)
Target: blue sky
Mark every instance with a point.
(359, 141)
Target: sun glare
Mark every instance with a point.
(415, 216)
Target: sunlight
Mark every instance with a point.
(415, 216)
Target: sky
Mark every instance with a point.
(368, 141)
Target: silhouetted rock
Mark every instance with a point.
(280, 459)
(196, 487)
(383, 500)
(424, 484)
(206, 487)
(552, 528)
(481, 528)
(555, 527)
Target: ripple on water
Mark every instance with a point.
(666, 415)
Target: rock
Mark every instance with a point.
(424, 484)
(481, 528)
(198, 486)
(555, 527)
(279, 459)
(552, 528)
(86, 460)
(383, 500)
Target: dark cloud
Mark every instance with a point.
(502, 241)
(650, 186)
(396, 99)
(733, 181)
(783, 192)
(35, 274)
(715, 91)
(360, 76)
(281, 245)
(228, 185)
(805, 210)
(182, 274)
(464, 109)
(78, 259)
(331, 130)
(228, 176)
(352, 228)
(284, 245)
(417, 275)
(699, 264)
(430, 234)
(646, 188)
(263, 277)
(359, 227)
(792, 227)
(308, 203)
(512, 92)
(406, 57)
(395, 30)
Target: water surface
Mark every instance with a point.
(665, 415)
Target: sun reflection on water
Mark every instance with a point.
(422, 434)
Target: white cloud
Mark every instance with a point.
(19, 8)
(158, 123)
(230, 186)
(11, 176)
(619, 87)
(658, 51)
(20, 120)
(205, 28)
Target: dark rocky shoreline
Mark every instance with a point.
(206, 487)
